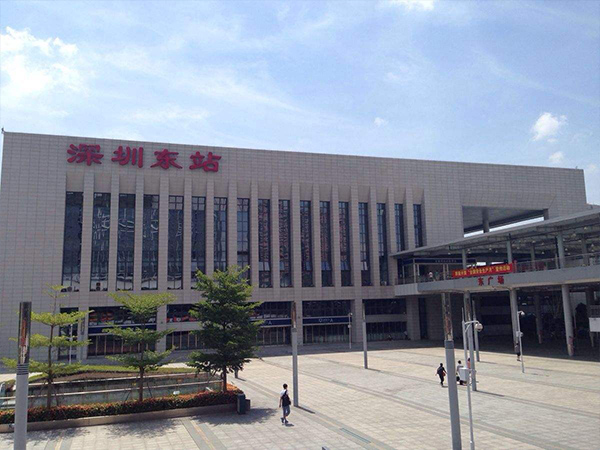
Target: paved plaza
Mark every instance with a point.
(396, 404)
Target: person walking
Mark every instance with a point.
(518, 351)
(284, 402)
(458, 367)
(441, 372)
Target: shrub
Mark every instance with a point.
(42, 414)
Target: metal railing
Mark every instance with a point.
(583, 260)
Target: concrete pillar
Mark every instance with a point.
(373, 238)
(413, 326)
(464, 258)
(231, 223)
(532, 253)
(486, 220)
(275, 269)
(139, 232)
(163, 234)
(589, 301)
(450, 367)
(409, 219)
(253, 235)
(561, 250)
(210, 227)
(316, 236)
(514, 314)
(538, 316)
(357, 320)
(546, 214)
(114, 233)
(568, 319)
(509, 254)
(584, 251)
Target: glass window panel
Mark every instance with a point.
(198, 236)
(306, 243)
(264, 243)
(325, 222)
(285, 257)
(72, 241)
(150, 242)
(363, 226)
(382, 241)
(125, 242)
(100, 242)
(220, 233)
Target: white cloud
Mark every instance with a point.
(556, 158)
(167, 113)
(425, 5)
(547, 127)
(591, 168)
(379, 122)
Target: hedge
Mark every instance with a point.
(42, 414)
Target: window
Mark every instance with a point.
(417, 211)
(125, 242)
(175, 254)
(325, 219)
(198, 236)
(382, 241)
(399, 213)
(180, 313)
(183, 340)
(306, 243)
(285, 258)
(264, 243)
(243, 234)
(150, 243)
(71, 269)
(363, 229)
(345, 243)
(273, 310)
(220, 218)
(386, 331)
(326, 308)
(100, 242)
(385, 306)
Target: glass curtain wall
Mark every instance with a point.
(306, 243)
(71, 269)
(198, 236)
(150, 242)
(344, 224)
(285, 257)
(100, 242)
(418, 218)
(382, 242)
(325, 219)
(363, 229)
(243, 234)
(220, 233)
(264, 243)
(175, 262)
(399, 216)
(125, 242)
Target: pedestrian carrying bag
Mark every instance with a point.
(285, 399)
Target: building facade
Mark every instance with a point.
(317, 230)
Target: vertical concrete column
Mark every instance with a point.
(568, 313)
(187, 236)
(589, 301)
(355, 240)
(163, 233)
(357, 320)
(139, 232)
(409, 218)
(413, 325)
(509, 253)
(275, 269)
(584, 251)
(210, 227)
(232, 223)
(114, 233)
(296, 253)
(335, 239)
(450, 367)
(391, 235)
(532, 253)
(464, 258)
(561, 250)
(486, 220)
(316, 233)
(253, 234)
(538, 316)
(373, 237)
(299, 320)
(514, 314)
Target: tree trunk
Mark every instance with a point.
(49, 375)
(141, 386)
(224, 376)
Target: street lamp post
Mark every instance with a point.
(477, 327)
(364, 330)
(350, 331)
(519, 314)
(22, 394)
(294, 355)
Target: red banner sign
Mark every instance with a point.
(483, 270)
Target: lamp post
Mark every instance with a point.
(450, 364)
(364, 330)
(294, 355)
(477, 327)
(350, 331)
(519, 314)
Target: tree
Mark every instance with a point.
(141, 307)
(52, 343)
(226, 329)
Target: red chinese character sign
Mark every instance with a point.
(165, 159)
(89, 154)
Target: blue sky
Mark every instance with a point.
(497, 81)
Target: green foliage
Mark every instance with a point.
(128, 407)
(226, 328)
(149, 360)
(58, 319)
(142, 306)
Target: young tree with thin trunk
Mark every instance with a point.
(227, 330)
(141, 307)
(53, 343)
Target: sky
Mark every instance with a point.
(510, 82)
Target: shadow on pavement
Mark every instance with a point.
(146, 429)
(259, 415)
